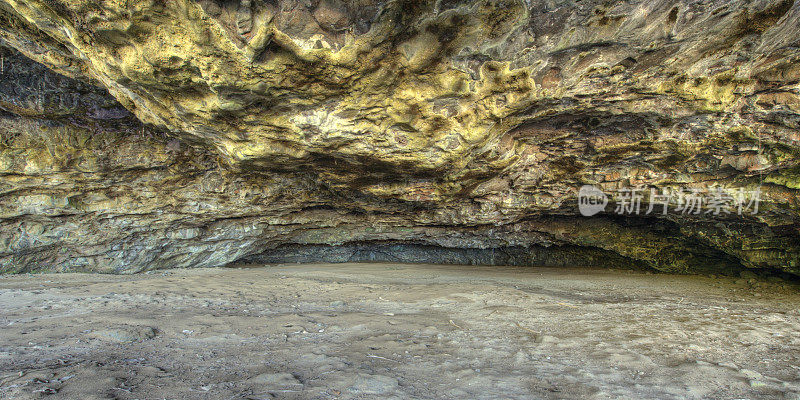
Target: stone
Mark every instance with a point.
(281, 380)
(127, 334)
(196, 133)
(374, 384)
(748, 275)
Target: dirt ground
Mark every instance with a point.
(397, 331)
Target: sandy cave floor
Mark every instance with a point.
(325, 331)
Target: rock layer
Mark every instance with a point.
(233, 128)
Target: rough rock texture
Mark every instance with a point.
(238, 127)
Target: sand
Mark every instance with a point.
(384, 331)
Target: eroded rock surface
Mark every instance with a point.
(236, 127)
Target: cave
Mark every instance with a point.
(251, 199)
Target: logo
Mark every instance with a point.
(686, 201)
(591, 200)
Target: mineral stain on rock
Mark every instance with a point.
(195, 133)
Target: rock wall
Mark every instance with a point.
(188, 133)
